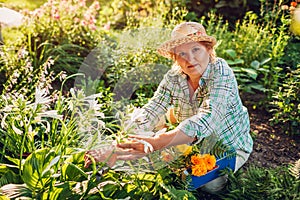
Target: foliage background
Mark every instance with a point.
(67, 51)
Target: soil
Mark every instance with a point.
(272, 147)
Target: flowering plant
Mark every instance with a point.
(201, 164)
(198, 159)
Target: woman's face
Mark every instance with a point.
(193, 58)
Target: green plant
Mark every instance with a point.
(250, 51)
(65, 30)
(247, 76)
(256, 183)
(50, 174)
(286, 100)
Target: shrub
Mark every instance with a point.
(250, 51)
(286, 111)
(66, 30)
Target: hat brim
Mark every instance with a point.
(166, 49)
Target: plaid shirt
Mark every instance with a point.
(215, 107)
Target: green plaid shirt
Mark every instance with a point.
(215, 107)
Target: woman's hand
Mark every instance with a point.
(104, 154)
(137, 145)
(131, 150)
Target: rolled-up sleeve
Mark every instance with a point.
(157, 106)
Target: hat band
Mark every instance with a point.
(198, 33)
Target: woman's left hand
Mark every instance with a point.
(104, 154)
(137, 145)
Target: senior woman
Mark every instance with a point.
(203, 92)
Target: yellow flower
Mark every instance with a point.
(184, 149)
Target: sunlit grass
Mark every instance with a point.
(21, 4)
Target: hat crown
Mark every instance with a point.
(187, 29)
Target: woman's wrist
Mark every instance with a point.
(155, 142)
(163, 140)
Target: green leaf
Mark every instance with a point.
(13, 191)
(264, 61)
(236, 69)
(48, 168)
(258, 87)
(255, 64)
(235, 62)
(250, 72)
(13, 160)
(263, 70)
(33, 173)
(73, 172)
(62, 191)
(231, 53)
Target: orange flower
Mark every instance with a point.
(294, 4)
(210, 161)
(199, 169)
(196, 159)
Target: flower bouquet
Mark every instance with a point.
(203, 162)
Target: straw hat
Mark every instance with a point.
(184, 33)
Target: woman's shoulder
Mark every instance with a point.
(221, 67)
(174, 74)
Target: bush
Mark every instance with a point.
(66, 30)
(286, 111)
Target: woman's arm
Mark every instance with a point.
(156, 107)
(158, 142)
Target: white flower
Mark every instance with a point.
(41, 96)
(16, 130)
(50, 114)
(137, 115)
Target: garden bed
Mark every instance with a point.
(272, 147)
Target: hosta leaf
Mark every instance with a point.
(48, 168)
(258, 87)
(8, 176)
(255, 64)
(13, 160)
(33, 169)
(73, 172)
(236, 69)
(264, 61)
(61, 191)
(231, 53)
(13, 191)
(250, 72)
